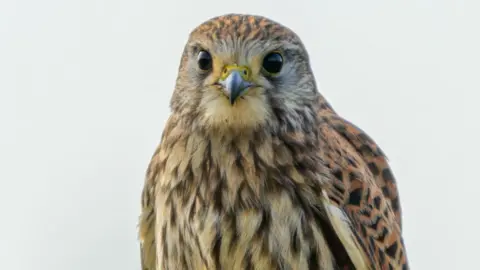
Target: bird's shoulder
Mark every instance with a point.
(364, 188)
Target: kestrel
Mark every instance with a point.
(255, 170)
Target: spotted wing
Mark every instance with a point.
(365, 192)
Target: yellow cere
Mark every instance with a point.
(244, 71)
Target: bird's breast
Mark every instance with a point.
(276, 235)
(236, 203)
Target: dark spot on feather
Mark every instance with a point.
(248, 260)
(373, 168)
(386, 191)
(231, 220)
(355, 197)
(381, 258)
(392, 250)
(386, 213)
(363, 137)
(338, 174)
(372, 245)
(351, 162)
(375, 223)
(216, 248)
(217, 196)
(340, 128)
(395, 205)
(363, 230)
(295, 241)
(387, 175)
(238, 159)
(313, 262)
(173, 217)
(164, 244)
(365, 150)
(377, 201)
(264, 226)
(383, 234)
(366, 212)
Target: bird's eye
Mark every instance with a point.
(273, 62)
(204, 60)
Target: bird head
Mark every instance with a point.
(244, 72)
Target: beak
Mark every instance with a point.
(235, 81)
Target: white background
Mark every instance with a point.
(84, 92)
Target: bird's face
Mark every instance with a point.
(239, 71)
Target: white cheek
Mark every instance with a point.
(248, 112)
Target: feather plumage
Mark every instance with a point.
(276, 180)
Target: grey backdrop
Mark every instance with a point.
(84, 91)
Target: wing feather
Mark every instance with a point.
(342, 228)
(365, 191)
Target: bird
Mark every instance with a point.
(256, 170)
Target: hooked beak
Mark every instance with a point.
(235, 82)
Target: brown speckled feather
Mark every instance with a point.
(365, 187)
(276, 180)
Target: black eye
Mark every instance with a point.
(204, 60)
(273, 62)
